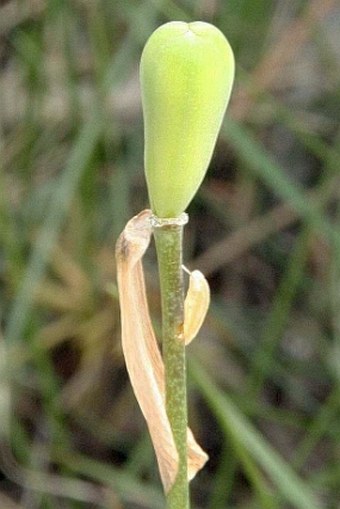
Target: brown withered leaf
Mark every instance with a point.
(196, 305)
(142, 356)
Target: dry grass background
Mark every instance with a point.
(264, 374)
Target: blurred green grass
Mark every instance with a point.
(264, 374)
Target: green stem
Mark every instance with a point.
(168, 239)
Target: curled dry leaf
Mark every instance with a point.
(142, 356)
(196, 305)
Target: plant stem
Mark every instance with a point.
(168, 239)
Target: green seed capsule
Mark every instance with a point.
(187, 72)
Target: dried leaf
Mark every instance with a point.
(196, 305)
(142, 356)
